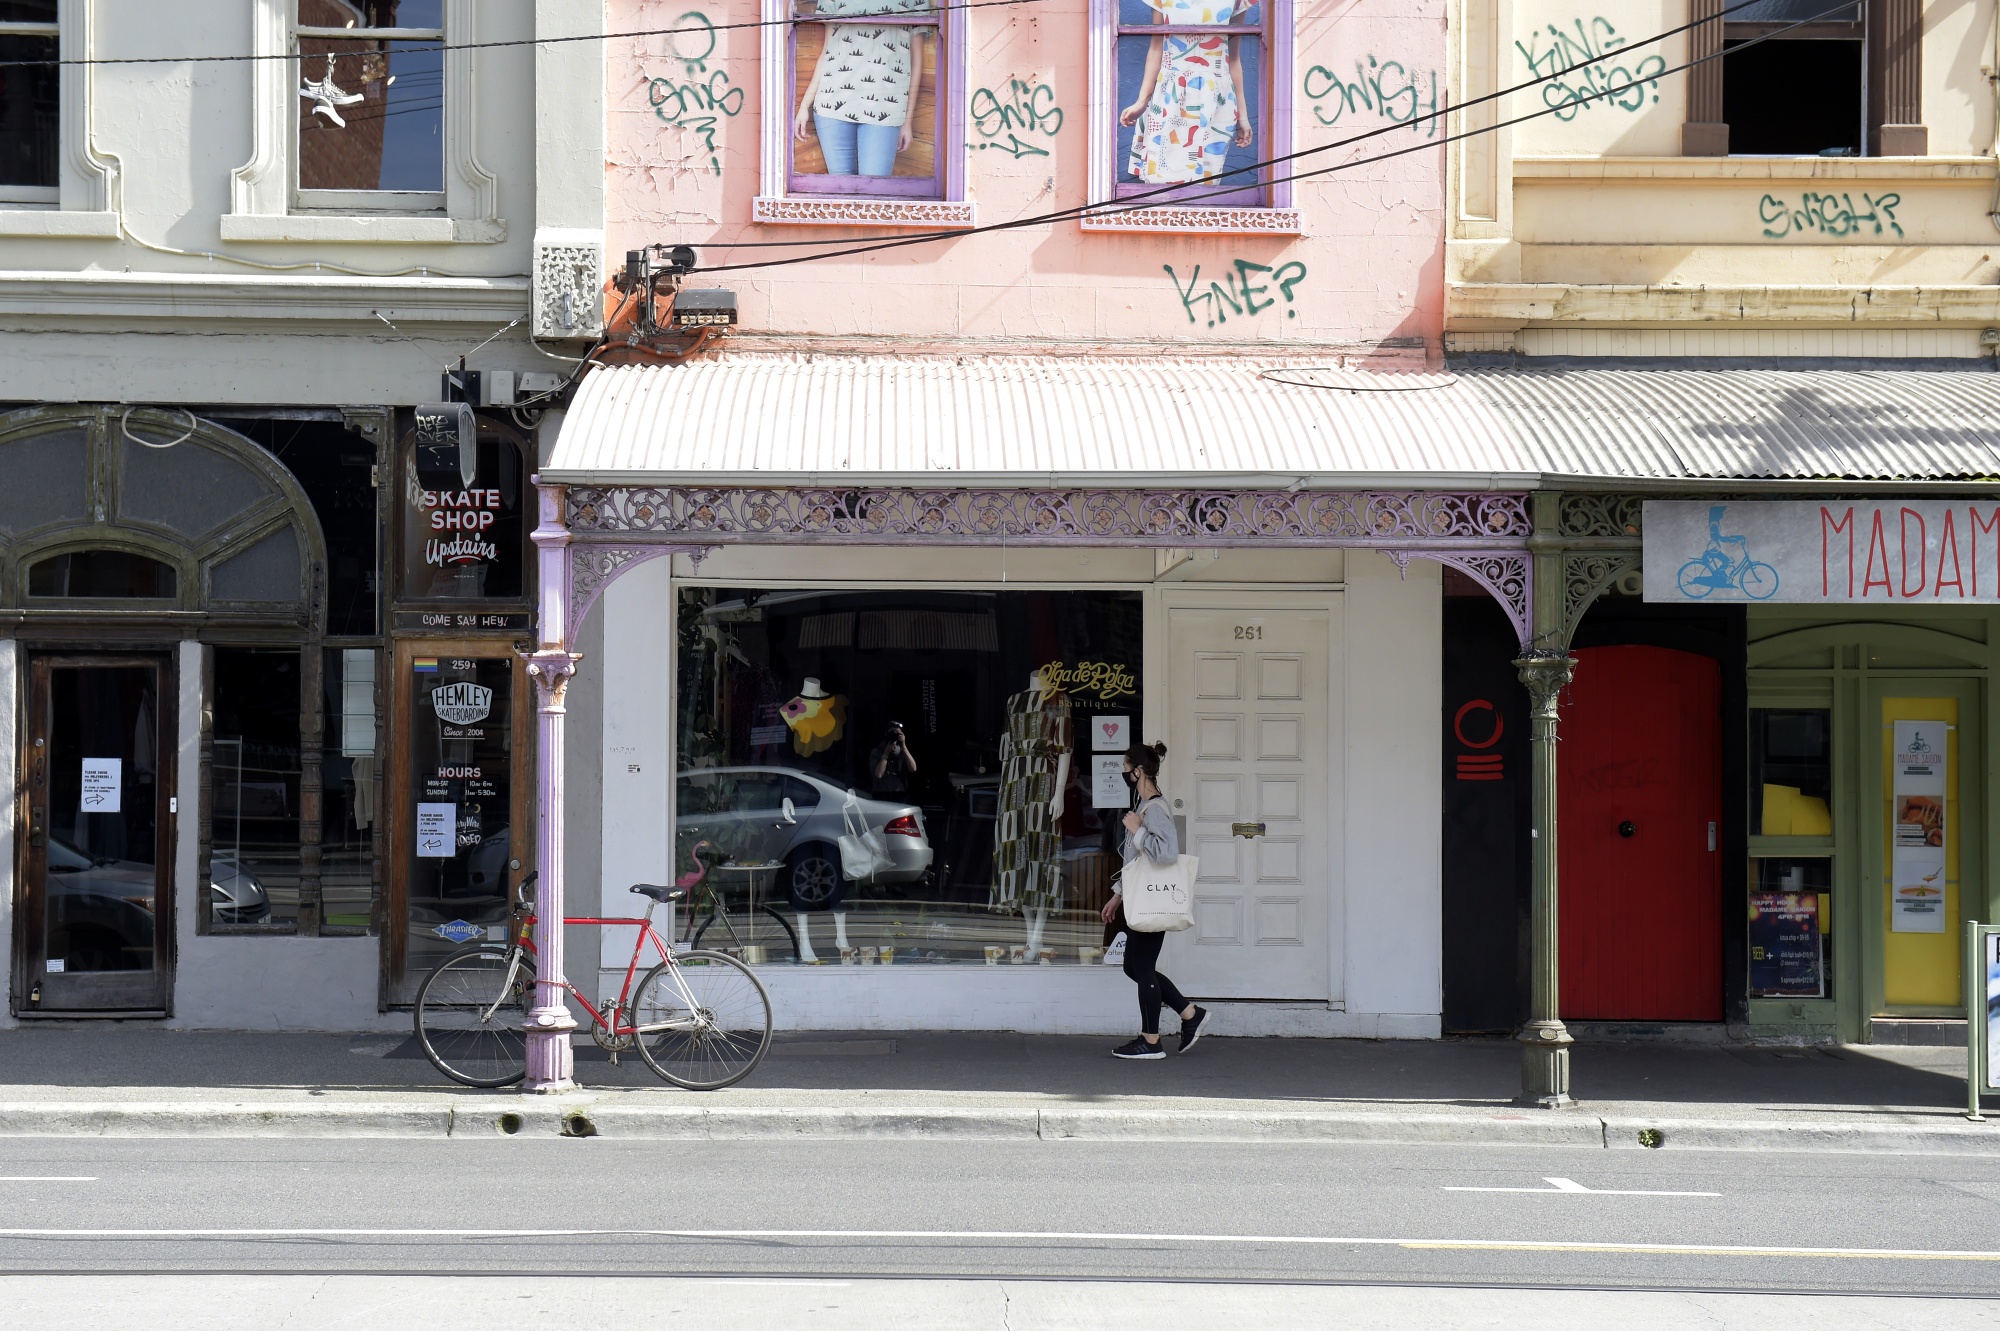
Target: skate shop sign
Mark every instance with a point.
(1846, 552)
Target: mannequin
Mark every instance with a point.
(1034, 778)
(807, 957)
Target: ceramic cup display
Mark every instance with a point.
(993, 955)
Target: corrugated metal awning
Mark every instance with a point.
(1819, 424)
(777, 420)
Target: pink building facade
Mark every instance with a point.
(1014, 117)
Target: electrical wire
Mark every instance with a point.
(421, 47)
(1136, 202)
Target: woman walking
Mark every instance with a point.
(1149, 831)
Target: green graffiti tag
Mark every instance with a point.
(1239, 292)
(1575, 86)
(701, 97)
(1828, 214)
(1385, 88)
(1028, 108)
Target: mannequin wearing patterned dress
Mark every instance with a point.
(1034, 774)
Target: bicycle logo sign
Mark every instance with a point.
(1726, 566)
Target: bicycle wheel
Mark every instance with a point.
(717, 1020)
(470, 1012)
(1694, 579)
(1758, 581)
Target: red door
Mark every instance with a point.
(1639, 774)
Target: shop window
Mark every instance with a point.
(254, 814)
(904, 778)
(1196, 97)
(335, 466)
(867, 87)
(350, 807)
(108, 574)
(1791, 783)
(461, 864)
(30, 102)
(1791, 927)
(370, 103)
(466, 543)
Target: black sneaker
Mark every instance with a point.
(1191, 1028)
(1139, 1049)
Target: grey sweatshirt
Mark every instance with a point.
(1155, 835)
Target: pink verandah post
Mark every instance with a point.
(550, 666)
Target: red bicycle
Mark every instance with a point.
(701, 1020)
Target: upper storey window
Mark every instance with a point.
(30, 100)
(866, 134)
(1196, 89)
(371, 103)
(867, 118)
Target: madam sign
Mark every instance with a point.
(1830, 552)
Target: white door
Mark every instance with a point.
(1247, 765)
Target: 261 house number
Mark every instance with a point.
(1249, 631)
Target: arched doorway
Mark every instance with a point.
(126, 533)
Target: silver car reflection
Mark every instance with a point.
(117, 895)
(775, 815)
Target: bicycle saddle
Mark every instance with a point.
(660, 891)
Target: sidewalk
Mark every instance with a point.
(110, 1079)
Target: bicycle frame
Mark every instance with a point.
(612, 1021)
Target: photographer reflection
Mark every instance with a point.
(890, 761)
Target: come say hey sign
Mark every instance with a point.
(1839, 551)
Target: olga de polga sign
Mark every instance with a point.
(1838, 552)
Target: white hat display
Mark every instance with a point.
(812, 689)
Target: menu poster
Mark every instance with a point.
(1992, 969)
(1787, 946)
(1107, 782)
(1917, 843)
(101, 785)
(437, 831)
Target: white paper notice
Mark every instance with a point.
(1110, 734)
(1107, 782)
(101, 785)
(1917, 847)
(437, 831)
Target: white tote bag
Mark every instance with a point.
(1159, 898)
(864, 852)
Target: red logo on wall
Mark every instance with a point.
(1479, 766)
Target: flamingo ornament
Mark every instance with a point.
(701, 867)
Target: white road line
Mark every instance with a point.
(1562, 1185)
(1041, 1236)
(48, 1178)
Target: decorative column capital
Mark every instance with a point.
(551, 669)
(1545, 674)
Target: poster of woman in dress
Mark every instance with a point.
(1189, 101)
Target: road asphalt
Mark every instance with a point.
(992, 1234)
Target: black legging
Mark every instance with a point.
(1142, 959)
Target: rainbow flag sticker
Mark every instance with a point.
(426, 665)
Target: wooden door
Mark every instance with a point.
(94, 914)
(1247, 767)
(1639, 833)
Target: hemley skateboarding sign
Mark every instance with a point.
(1849, 552)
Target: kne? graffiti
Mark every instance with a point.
(1238, 292)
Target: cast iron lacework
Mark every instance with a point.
(1384, 520)
(1585, 576)
(1615, 517)
(592, 568)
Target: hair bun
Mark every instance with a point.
(1159, 749)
